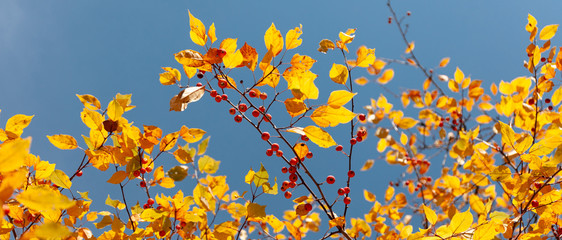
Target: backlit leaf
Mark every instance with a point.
(327, 116)
(273, 40)
(16, 124)
(532, 23)
(547, 32)
(43, 198)
(191, 135)
(337, 222)
(118, 177)
(208, 164)
(444, 62)
(361, 81)
(387, 75)
(410, 47)
(63, 141)
(52, 231)
(508, 136)
(202, 147)
(339, 98)
(302, 62)
(326, 45)
(459, 76)
(169, 141)
(13, 153)
(407, 123)
(270, 76)
(89, 101)
(365, 57)
(389, 193)
(370, 197)
(169, 77)
(92, 119)
(500, 173)
(429, 215)
(292, 38)
(212, 34)
(338, 73)
(461, 222)
(114, 110)
(260, 177)
(197, 33)
(368, 165)
(250, 57)
(319, 136)
(301, 149)
(60, 178)
(295, 106)
(483, 119)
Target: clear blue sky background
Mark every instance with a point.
(52, 50)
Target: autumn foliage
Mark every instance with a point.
(496, 147)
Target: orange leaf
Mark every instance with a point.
(118, 177)
(444, 62)
(410, 48)
(325, 45)
(387, 75)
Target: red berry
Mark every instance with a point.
(339, 148)
(440, 124)
(293, 161)
(199, 84)
(242, 107)
(145, 206)
(267, 117)
(389, 20)
(286, 184)
(221, 52)
(79, 173)
(148, 169)
(262, 108)
(304, 138)
(308, 207)
(269, 152)
(253, 94)
(265, 136)
(275, 147)
(263, 96)
(200, 75)
(347, 200)
(284, 170)
(142, 171)
(6, 209)
(353, 141)
(279, 153)
(224, 97)
(238, 118)
(351, 173)
(143, 184)
(218, 98)
(454, 128)
(550, 108)
(448, 119)
(309, 155)
(547, 100)
(428, 179)
(178, 227)
(531, 101)
(293, 177)
(409, 13)
(232, 111)
(330, 179)
(288, 195)
(346, 190)
(341, 191)
(213, 93)
(150, 201)
(543, 59)
(162, 233)
(183, 224)
(292, 169)
(361, 117)
(535, 203)
(255, 113)
(223, 83)
(538, 185)
(292, 184)
(136, 173)
(359, 139)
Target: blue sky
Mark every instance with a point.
(52, 50)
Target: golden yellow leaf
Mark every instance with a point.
(339, 98)
(325, 45)
(339, 222)
(212, 34)
(410, 48)
(52, 231)
(403, 138)
(548, 31)
(191, 135)
(191, 58)
(365, 57)
(486, 231)
(387, 75)
(208, 164)
(483, 119)
(389, 194)
(197, 33)
(255, 210)
(114, 110)
(295, 106)
(43, 198)
(327, 116)
(292, 37)
(13, 153)
(302, 62)
(118, 177)
(444, 62)
(532, 23)
(89, 101)
(319, 136)
(461, 222)
(459, 76)
(169, 141)
(63, 141)
(250, 56)
(16, 124)
(407, 123)
(370, 197)
(169, 77)
(301, 149)
(270, 76)
(339, 73)
(202, 147)
(430, 215)
(60, 178)
(229, 45)
(361, 81)
(500, 173)
(508, 135)
(44, 169)
(348, 36)
(273, 40)
(368, 165)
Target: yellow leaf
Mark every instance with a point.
(483, 119)
(169, 141)
(43, 198)
(115, 110)
(339, 221)
(557, 95)
(16, 124)
(347, 37)
(403, 138)
(302, 62)
(532, 23)
(211, 33)
(260, 177)
(407, 123)
(370, 197)
(338, 73)
(273, 40)
(295, 106)
(500, 173)
(114, 203)
(197, 33)
(368, 165)
(301, 149)
(89, 101)
(292, 37)
(410, 48)
(327, 116)
(444, 62)
(339, 98)
(461, 222)
(459, 76)
(191, 58)
(118, 177)
(13, 153)
(325, 45)
(169, 77)
(202, 147)
(429, 215)
(319, 136)
(361, 81)
(508, 136)
(60, 178)
(548, 32)
(389, 194)
(191, 135)
(52, 231)
(523, 144)
(365, 57)
(270, 76)
(208, 164)
(233, 60)
(255, 210)
(92, 119)
(63, 141)
(387, 75)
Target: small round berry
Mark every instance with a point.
(339, 148)
(222, 83)
(341, 191)
(232, 111)
(279, 153)
(242, 107)
(284, 170)
(148, 169)
(275, 147)
(330, 179)
(238, 118)
(253, 94)
(269, 152)
(543, 59)
(162, 233)
(136, 173)
(224, 97)
(267, 117)
(199, 84)
(293, 161)
(255, 113)
(213, 93)
(265, 136)
(347, 200)
(293, 177)
(351, 173)
(308, 207)
(531, 101)
(200, 75)
(535, 203)
(288, 195)
(150, 201)
(454, 128)
(263, 96)
(304, 138)
(145, 206)
(408, 13)
(142, 170)
(346, 190)
(178, 227)
(262, 108)
(6, 209)
(292, 169)
(428, 179)
(538, 185)
(144, 161)
(359, 139)
(389, 20)
(143, 184)
(292, 184)
(221, 52)
(361, 117)
(218, 98)
(440, 124)
(547, 100)
(286, 184)
(309, 155)
(79, 173)
(550, 108)
(353, 141)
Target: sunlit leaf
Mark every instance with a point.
(429, 215)
(169, 77)
(13, 153)
(461, 222)
(368, 165)
(387, 75)
(273, 40)
(339, 73)
(43, 198)
(339, 98)
(365, 57)
(212, 34)
(407, 123)
(255, 210)
(89, 101)
(62, 141)
(319, 136)
(410, 47)
(548, 31)
(60, 178)
(16, 124)
(444, 62)
(52, 231)
(260, 177)
(326, 45)
(292, 38)
(295, 106)
(370, 197)
(208, 164)
(197, 33)
(118, 177)
(327, 116)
